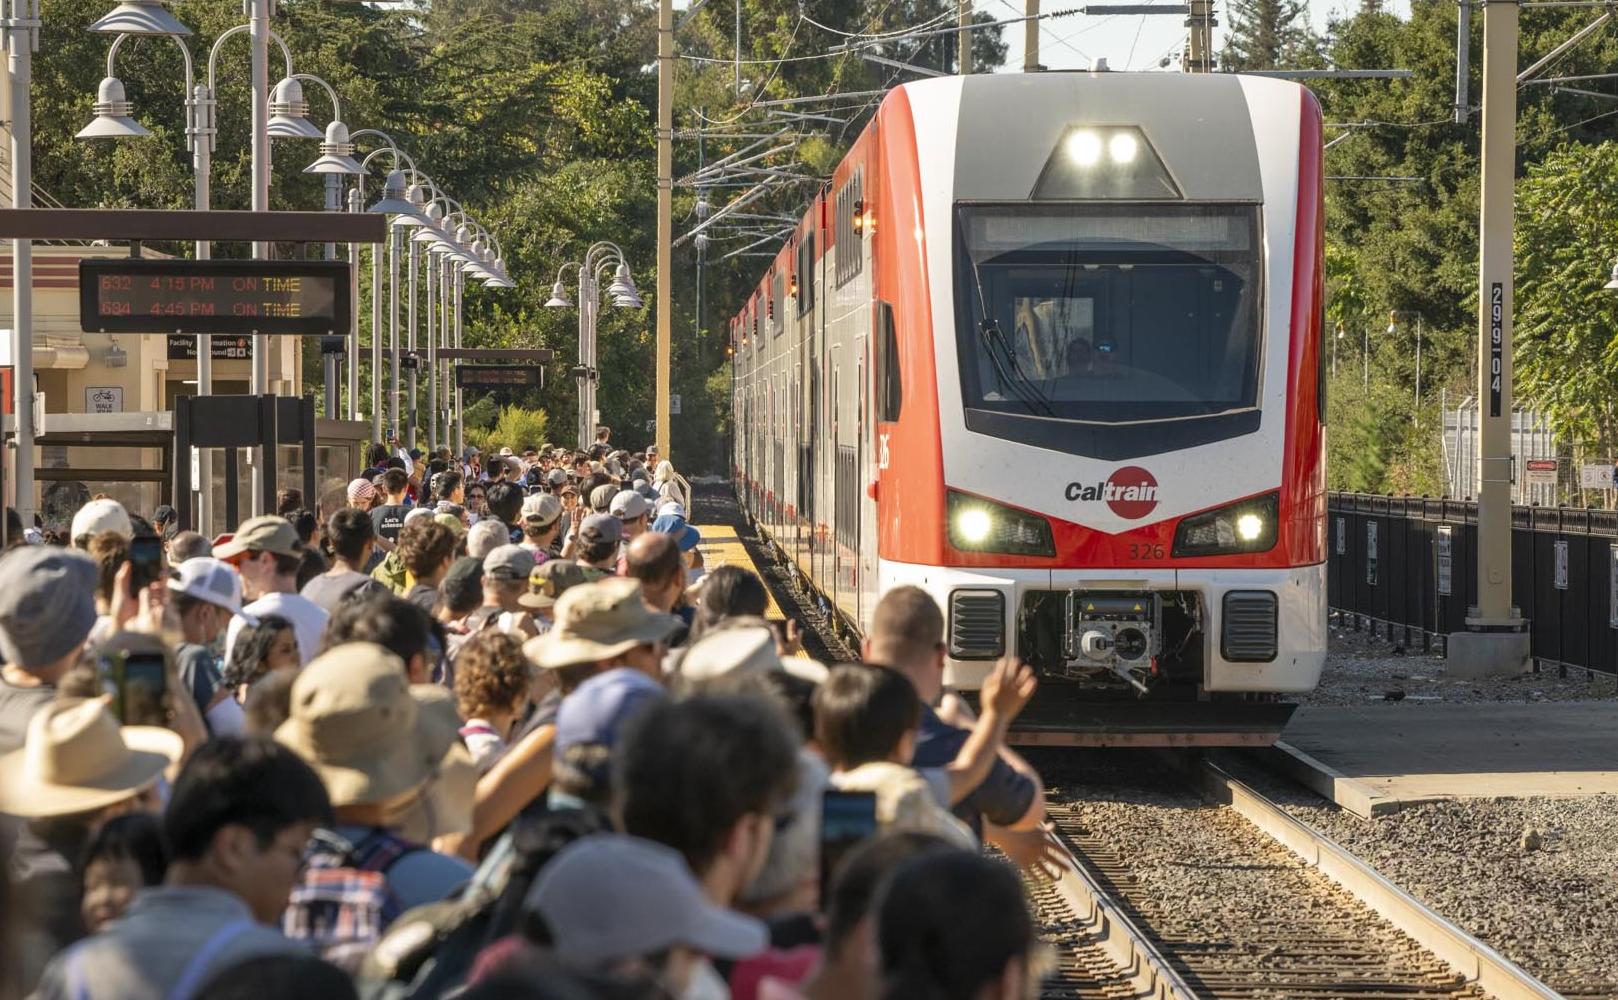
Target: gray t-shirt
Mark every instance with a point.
(328, 590)
(170, 936)
(17, 707)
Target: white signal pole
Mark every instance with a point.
(1494, 642)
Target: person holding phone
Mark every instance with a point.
(205, 595)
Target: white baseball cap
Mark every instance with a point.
(208, 579)
(99, 516)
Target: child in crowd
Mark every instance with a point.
(491, 688)
(126, 855)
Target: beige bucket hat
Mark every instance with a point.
(598, 621)
(77, 759)
(369, 733)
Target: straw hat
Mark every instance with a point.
(78, 759)
(598, 621)
(364, 728)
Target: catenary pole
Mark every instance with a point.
(21, 25)
(665, 220)
(1494, 642)
(259, 32)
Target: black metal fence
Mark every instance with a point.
(1407, 563)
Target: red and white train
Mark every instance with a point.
(1049, 347)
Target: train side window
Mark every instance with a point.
(778, 305)
(806, 273)
(889, 393)
(850, 248)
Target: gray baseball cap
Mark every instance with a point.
(609, 896)
(601, 528)
(628, 505)
(509, 562)
(47, 604)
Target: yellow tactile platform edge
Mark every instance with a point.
(721, 546)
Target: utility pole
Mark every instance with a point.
(965, 37)
(1463, 61)
(20, 21)
(1030, 39)
(665, 216)
(1199, 50)
(1494, 641)
(259, 30)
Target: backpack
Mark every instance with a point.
(342, 903)
(429, 952)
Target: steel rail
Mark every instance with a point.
(1478, 963)
(1106, 924)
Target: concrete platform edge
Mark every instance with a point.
(1330, 783)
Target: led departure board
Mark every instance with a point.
(499, 377)
(134, 295)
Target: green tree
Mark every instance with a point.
(1268, 34)
(1566, 350)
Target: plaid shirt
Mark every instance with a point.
(343, 902)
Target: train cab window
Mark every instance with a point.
(1108, 314)
(889, 395)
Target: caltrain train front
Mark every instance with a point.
(1125, 278)
(1097, 384)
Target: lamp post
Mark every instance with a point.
(624, 295)
(19, 22)
(287, 119)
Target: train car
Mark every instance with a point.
(1049, 347)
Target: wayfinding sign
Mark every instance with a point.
(243, 297)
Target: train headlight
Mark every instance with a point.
(1122, 147)
(1247, 526)
(973, 524)
(1084, 146)
(977, 525)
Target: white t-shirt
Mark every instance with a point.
(307, 618)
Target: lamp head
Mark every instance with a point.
(1613, 284)
(289, 113)
(559, 299)
(335, 153)
(623, 285)
(393, 200)
(140, 17)
(112, 120)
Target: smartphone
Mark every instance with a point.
(137, 683)
(145, 561)
(847, 819)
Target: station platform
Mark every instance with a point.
(721, 546)
(1375, 760)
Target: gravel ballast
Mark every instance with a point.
(1536, 879)
(1362, 669)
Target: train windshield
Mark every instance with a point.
(1109, 314)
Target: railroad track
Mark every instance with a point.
(1334, 928)
(1264, 907)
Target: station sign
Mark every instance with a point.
(499, 377)
(183, 347)
(1540, 472)
(243, 297)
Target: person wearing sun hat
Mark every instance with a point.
(77, 759)
(378, 743)
(76, 769)
(606, 623)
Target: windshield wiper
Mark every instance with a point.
(993, 338)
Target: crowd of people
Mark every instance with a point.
(492, 729)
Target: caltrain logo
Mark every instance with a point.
(1130, 492)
